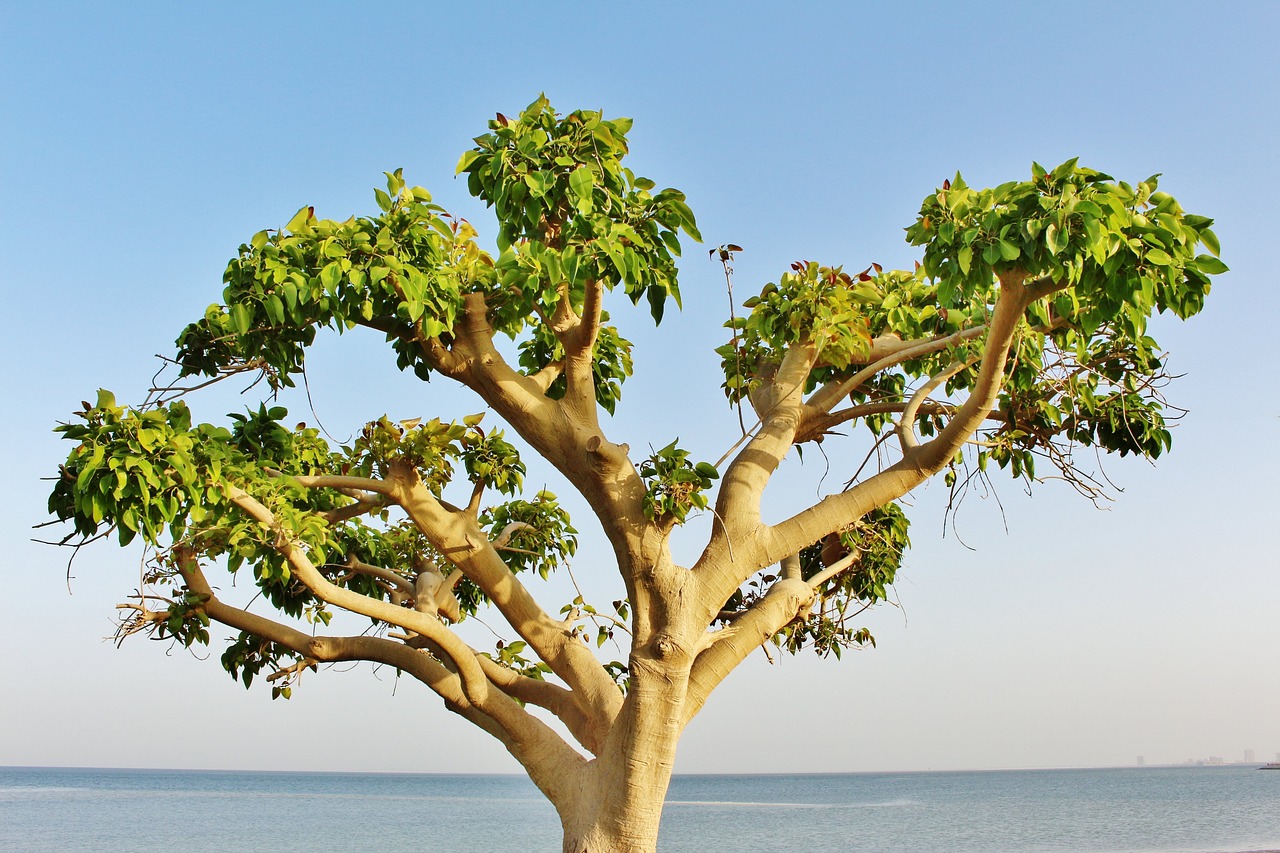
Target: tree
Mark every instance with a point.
(1020, 338)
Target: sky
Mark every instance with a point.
(140, 144)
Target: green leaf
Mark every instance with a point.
(290, 291)
(465, 161)
(1209, 264)
(581, 182)
(241, 317)
(299, 220)
(657, 303)
(1054, 239)
(275, 309)
(330, 276)
(395, 182)
(1210, 241)
(539, 183)
(1063, 171)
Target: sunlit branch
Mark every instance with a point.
(544, 694)
(547, 376)
(539, 748)
(919, 462)
(392, 328)
(551, 697)
(931, 456)
(790, 568)
(817, 427)
(551, 763)
(563, 317)
(738, 546)
(738, 504)
(579, 342)
(831, 393)
(724, 649)
(355, 510)
(287, 673)
(1043, 287)
(139, 616)
(608, 479)
(473, 504)
(511, 529)
(342, 483)
(834, 569)
(457, 537)
(474, 682)
(400, 583)
(907, 423)
(332, 649)
(159, 395)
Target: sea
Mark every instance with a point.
(1192, 809)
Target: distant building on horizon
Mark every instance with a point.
(1142, 762)
(1248, 757)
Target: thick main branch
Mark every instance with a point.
(756, 545)
(729, 646)
(520, 725)
(922, 460)
(550, 762)
(459, 538)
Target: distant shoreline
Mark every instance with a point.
(1213, 809)
(725, 774)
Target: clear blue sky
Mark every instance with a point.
(141, 143)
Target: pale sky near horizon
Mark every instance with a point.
(141, 143)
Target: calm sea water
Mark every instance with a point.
(1194, 809)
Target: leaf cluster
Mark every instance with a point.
(569, 212)
(403, 270)
(1121, 251)
(610, 361)
(875, 544)
(570, 215)
(542, 536)
(248, 655)
(511, 656)
(1101, 255)
(153, 474)
(674, 485)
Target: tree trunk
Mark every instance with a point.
(637, 833)
(619, 805)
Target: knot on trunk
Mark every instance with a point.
(666, 648)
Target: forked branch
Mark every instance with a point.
(460, 540)
(538, 748)
(729, 646)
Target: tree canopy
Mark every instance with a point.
(1019, 338)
